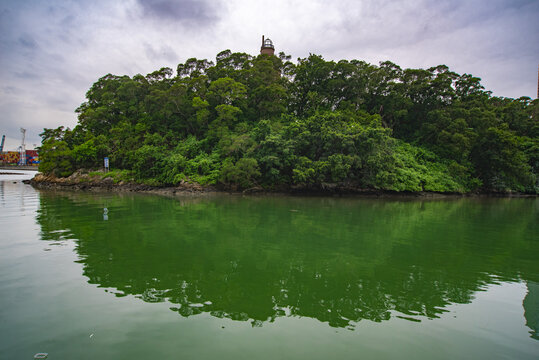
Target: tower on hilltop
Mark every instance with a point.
(267, 47)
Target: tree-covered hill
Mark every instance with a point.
(264, 121)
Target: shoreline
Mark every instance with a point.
(19, 167)
(82, 182)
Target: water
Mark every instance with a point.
(134, 276)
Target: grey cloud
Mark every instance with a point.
(413, 21)
(25, 75)
(163, 52)
(180, 10)
(9, 89)
(28, 42)
(68, 21)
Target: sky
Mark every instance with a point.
(52, 51)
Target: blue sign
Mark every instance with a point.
(106, 163)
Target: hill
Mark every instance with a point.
(265, 121)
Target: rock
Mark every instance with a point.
(107, 181)
(253, 190)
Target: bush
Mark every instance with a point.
(243, 173)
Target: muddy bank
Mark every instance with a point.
(93, 182)
(99, 182)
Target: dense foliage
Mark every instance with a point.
(263, 121)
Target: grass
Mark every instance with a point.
(115, 174)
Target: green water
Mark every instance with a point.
(131, 276)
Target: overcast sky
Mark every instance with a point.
(51, 52)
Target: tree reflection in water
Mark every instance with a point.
(336, 260)
(531, 309)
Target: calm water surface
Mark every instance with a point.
(133, 276)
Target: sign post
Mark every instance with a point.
(106, 164)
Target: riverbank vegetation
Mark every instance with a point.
(266, 122)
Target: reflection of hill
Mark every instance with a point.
(531, 309)
(336, 260)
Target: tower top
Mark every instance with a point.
(267, 47)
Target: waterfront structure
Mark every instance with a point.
(267, 47)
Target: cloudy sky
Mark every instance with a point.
(52, 51)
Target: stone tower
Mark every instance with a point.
(267, 47)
